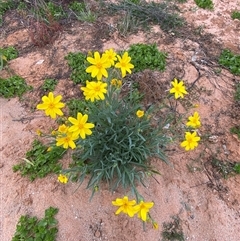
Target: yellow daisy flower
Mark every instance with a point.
(191, 141)
(140, 113)
(51, 105)
(194, 120)
(99, 66)
(62, 178)
(110, 55)
(178, 89)
(125, 206)
(124, 64)
(67, 140)
(143, 208)
(94, 90)
(80, 125)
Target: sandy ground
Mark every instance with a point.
(207, 206)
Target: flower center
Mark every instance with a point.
(51, 106)
(99, 65)
(97, 88)
(80, 126)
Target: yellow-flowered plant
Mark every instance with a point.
(131, 208)
(80, 126)
(125, 206)
(67, 139)
(94, 90)
(140, 113)
(62, 178)
(178, 89)
(51, 105)
(191, 141)
(99, 66)
(124, 64)
(116, 143)
(194, 120)
(114, 137)
(117, 83)
(110, 55)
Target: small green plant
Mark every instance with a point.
(40, 161)
(173, 230)
(237, 92)
(4, 6)
(128, 24)
(205, 4)
(236, 168)
(147, 13)
(76, 105)
(147, 56)
(55, 10)
(7, 54)
(225, 168)
(34, 229)
(13, 86)
(236, 130)
(230, 61)
(78, 64)
(82, 12)
(235, 15)
(49, 85)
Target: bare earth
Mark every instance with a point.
(207, 205)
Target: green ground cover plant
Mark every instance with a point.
(13, 86)
(34, 229)
(205, 4)
(235, 15)
(82, 11)
(230, 61)
(7, 54)
(147, 56)
(40, 160)
(75, 106)
(4, 6)
(49, 85)
(77, 62)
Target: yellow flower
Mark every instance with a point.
(51, 105)
(143, 208)
(53, 133)
(49, 149)
(110, 55)
(80, 125)
(38, 132)
(62, 178)
(191, 141)
(178, 89)
(140, 113)
(116, 82)
(99, 66)
(124, 64)
(94, 90)
(194, 120)
(67, 140)
(63, 128)
(125, 206)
